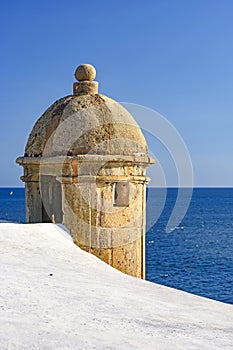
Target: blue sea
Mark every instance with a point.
(197, 256)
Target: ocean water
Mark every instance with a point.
(12, 205)
(197, 256)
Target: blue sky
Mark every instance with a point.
(172, 56)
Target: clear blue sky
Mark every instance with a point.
(173, 56)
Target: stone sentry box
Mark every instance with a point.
(85, 167)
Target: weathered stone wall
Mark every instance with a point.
(101, 199)
(114, 233)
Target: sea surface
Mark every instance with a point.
(197, 256)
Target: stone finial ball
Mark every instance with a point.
(85, 72)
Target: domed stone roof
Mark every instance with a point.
(86, 123)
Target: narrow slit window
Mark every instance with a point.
(121, 194)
